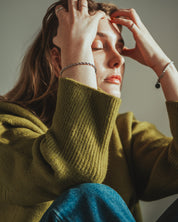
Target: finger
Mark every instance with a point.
(128, 52)
(133, 54)
(100, 15)
(83, 6)
(124, 12)
(126, 22)
(72, 6)
(128, 13)
(59, 9)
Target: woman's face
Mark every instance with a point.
(107, 48)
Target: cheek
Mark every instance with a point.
(98, 57)
(99, 61)
(100, 74)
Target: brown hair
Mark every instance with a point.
(36, 88)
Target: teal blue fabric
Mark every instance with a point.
(88, 202)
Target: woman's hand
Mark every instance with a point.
(76, 26)
(75, 35)
(146, 50)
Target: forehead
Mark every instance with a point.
(111, 30)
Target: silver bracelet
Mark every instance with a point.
(79, 63)
(157, 85)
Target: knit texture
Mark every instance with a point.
(87, 142)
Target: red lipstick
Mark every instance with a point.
(114, 79)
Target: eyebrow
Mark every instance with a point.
(101, 34)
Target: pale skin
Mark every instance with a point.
(80, 37)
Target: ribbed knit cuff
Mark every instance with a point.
(172, 108)
(83, 123)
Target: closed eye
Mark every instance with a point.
(97, 45)
(97, 49)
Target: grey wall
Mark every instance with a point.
(21, 19)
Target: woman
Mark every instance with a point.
(60, 125)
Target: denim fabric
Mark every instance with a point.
(88, 202)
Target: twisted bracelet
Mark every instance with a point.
(157, 85)
(79, 63)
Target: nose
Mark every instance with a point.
(116, 60)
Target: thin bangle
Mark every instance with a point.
(157, 85)
(79, 63)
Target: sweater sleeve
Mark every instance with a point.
(152, 157)
(36, 165)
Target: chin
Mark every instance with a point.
(115, 93)
(113, 90)
(118, 94)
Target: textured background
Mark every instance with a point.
(20, 20)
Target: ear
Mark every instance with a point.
(56, 61)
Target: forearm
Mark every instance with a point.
(155, 158)
(74, 150)
(169, 81)
(148, 52)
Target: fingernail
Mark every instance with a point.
(112, 20)
(58, 8)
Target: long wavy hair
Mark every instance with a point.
(36, 88)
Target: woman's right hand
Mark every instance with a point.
(76, 27)
(75, 35)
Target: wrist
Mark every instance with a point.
(76, 64)
(160, 65)
(81, 73)
(157, 85)
(75, 53)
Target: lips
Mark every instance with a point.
(115, 79)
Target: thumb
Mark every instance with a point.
(100, 15)
(128, 52)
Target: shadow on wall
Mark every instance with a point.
(151, 211)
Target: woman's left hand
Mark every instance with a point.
(146, 50)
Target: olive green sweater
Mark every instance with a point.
(87, 142)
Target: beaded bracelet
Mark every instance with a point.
(79, 63)
(157, 85)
